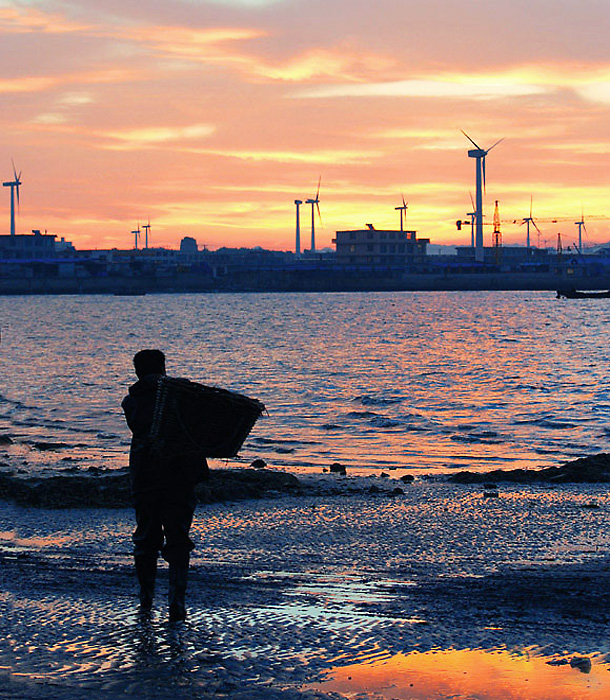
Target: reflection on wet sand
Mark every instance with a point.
(473, 674)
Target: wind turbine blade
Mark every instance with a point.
(531, 204)
(318, 191)
(471, 141)
(472, 201)
(483, 164)
(495, 144)
(14, 169)
(17, 188)
(404, 204)
(319, 215)
(536, 226)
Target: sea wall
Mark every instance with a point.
(307, 281)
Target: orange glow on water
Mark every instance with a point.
(474, 674)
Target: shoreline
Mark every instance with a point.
(97, 488)
(285, 592)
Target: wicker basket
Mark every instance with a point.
(195, 418)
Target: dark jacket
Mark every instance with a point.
(139, 405)
(149, 469)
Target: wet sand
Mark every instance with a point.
(438, 592)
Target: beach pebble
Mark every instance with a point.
(591, 505)
(258, 464)
(384, 475)
(582, 663)
(407, 478)
(337, 468)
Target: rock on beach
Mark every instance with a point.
(592, 469)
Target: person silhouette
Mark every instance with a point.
(163, 491)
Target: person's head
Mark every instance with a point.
(149, 362)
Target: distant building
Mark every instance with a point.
(371, 246)
(63, 247)
(188, 246)
(37, 246)
(505, 255)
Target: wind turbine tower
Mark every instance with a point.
(136, 235)
(472, 214)
(581, 225)
(315, 202)
(529, 220)
(14, 185)
(146, 228)
(479, 154)
(403, 211)
(297, 245)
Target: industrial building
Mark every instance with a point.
(28, 247)
(373, 246)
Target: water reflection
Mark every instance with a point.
(433, 381)
(474, 674)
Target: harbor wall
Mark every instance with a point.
(302, 281)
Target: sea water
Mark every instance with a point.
(425, 382)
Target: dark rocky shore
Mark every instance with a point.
(99, 489)
(112, 490)
(594, 469)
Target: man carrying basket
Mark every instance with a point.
(163, 489)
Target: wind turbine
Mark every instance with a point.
(297, 245)
(315, 202)
(581, 226)
(527, 220)
(136, 235)
(14, 185)
(479, 154)
(146, 228)
(403, 210)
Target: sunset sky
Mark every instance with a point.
(212, 116)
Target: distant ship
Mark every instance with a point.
(573, 294)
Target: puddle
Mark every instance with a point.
(472, 674)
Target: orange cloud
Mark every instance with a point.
(130, 139)
(200, 45)
(590, 82)
(29, 84)
(22, 21)
(318, 157)
(335, 63)
(221, 46)
(50, 82)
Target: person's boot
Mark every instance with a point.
(177, 589)
(146, 570)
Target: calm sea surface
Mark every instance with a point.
(428, 382)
